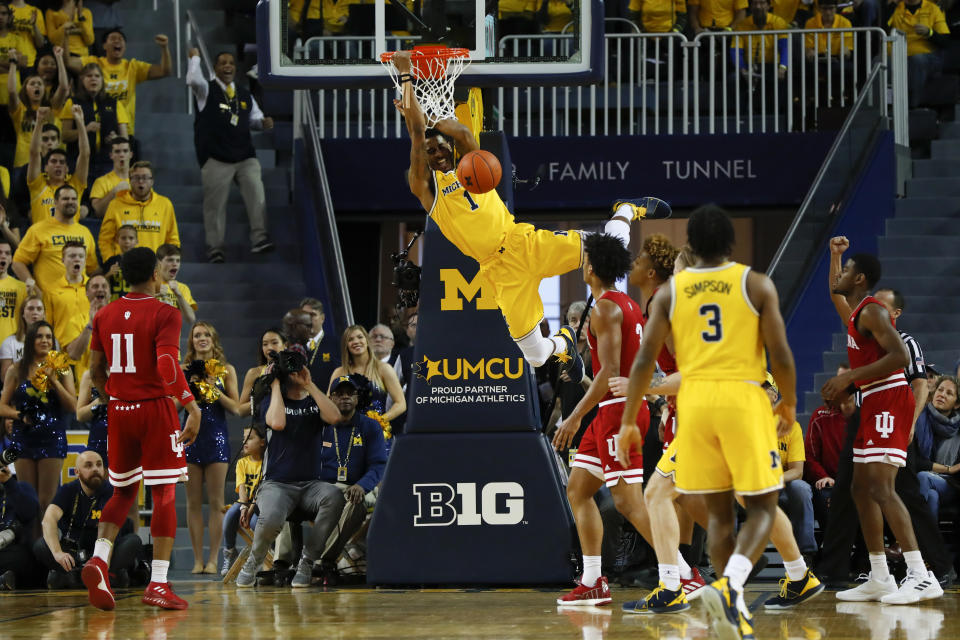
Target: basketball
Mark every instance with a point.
(479, 171)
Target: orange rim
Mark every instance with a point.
(420, 55)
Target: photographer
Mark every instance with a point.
(354, 455)
(295, 413)
(70, 529)
(18, 510)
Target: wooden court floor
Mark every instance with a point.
(351, 613)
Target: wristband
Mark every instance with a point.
(852, 389)
(406, 77)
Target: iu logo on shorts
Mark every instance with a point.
(612, 445)
(176, 446)
(884, 424)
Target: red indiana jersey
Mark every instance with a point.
(631, 330)
(862, 351)
(128, 332)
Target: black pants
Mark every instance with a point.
(126, 549)
(843, 524)
(17, 558)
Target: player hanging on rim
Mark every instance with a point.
(137, 339)
(877, 357)
(721, 315)
(616, 327)
(513, 257)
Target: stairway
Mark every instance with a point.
(248, 293)
(919, 258)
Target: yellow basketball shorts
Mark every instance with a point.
(667, 465)
(528, 255)
(726, 439)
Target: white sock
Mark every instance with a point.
(915, 562)
(158, 571)
(737, 569)
(618, 226)
(591, 570)
(102, 549)
(878, 566)
(685, 572)
(796, 569)
(670, 576)
(537, 349)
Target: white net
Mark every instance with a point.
(434, 71)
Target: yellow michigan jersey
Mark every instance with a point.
(476, 223)
(513, 257)
(725, 441)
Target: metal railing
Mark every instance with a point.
(811, 226)
(326, 220)
(719, 82)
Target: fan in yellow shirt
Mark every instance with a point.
(28, 22)
(151, 213)
(106, 187)
(9, 39)
(42, 246)
(12, 294)
(66, 302)
(42, 186)
(659, 16)
(122, 75)
(24, 104)
(71, 27)
(837, 43)
(172, 291)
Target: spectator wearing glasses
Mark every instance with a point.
(381, 339)
(151, 213)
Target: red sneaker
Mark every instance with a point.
(693, 586)
(584, 596)
(96, 578)
(160, 594)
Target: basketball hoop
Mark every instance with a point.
(435, 70)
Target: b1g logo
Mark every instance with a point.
(436, 504)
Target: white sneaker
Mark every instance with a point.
(872, 589)
(914, 588)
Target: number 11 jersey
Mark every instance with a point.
(128, 332)
(716, 329)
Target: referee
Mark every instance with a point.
(843, 524)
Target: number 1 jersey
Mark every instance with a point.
(716, 329)
(128, 332)
(476, 223)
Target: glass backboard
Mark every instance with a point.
(511, 42)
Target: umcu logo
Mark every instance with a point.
(501, 503)
(463, 369)
(455, 285)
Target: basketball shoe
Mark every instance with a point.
(660, 600)
(915, 587)
(96, 578)
(570, 360)
(160, 594)
(729, 622)
(793, 592)
(693, 587)
(648, 208)
(583, 596)
(872, 589)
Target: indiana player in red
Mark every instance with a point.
(877, 357)
(137, 340)
(616, 325)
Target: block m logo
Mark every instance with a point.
(455, 286)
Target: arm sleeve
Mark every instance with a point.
(917, 368)
(108, 233)
(86, 27)
(29, 248)
(55, 34)
(123, 116)
(795, 450)
(256, 115)
(173, 232)
(782, 51)
(197, 82)
(813, 469)
(91, 245)
(141, 70)
(95, 343)
(168, 355)
(99, 188)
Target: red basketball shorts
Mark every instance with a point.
(598, 447)
(886, 415)
(142, 442)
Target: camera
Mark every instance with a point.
(406, 276)
(287, 362)
(10, 454)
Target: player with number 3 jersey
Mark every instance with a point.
(136, 341)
